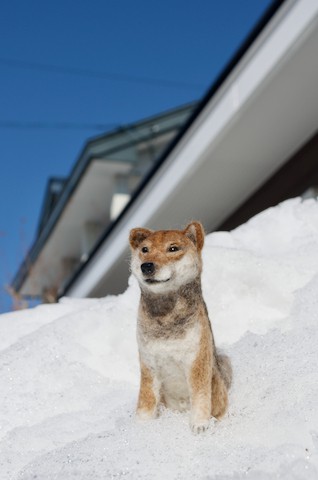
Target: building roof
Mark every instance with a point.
(66, 200)
(257, 114)
(260, 111)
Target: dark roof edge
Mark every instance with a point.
(62, 181)
(238, 55)
(139, 123)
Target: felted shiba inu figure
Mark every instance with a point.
(180, 366)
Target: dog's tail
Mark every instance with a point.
(225, 369)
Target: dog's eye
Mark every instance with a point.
(173, 248)
(144, 250)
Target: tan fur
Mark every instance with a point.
(180, 366)
(201, 374)
(147, 399)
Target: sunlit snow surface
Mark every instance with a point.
(69, 372)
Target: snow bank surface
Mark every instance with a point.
(69, 372)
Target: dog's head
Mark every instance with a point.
(164, 260)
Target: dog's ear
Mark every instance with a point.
(195, 232)
(138, 235)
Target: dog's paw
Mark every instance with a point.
(199, 425)
(143, 414)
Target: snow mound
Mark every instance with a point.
(69, 372)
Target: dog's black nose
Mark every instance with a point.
(147, 268)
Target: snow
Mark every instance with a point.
(69, 372)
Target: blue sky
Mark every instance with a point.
(128, 60)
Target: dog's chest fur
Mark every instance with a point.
(169, 316)
(169, 332)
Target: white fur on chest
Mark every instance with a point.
(170, 361)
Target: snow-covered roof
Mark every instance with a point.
(261, 110)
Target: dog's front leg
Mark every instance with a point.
(148, 394)
(200, 392)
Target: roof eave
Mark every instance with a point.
(88, 154)
(78, 286)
